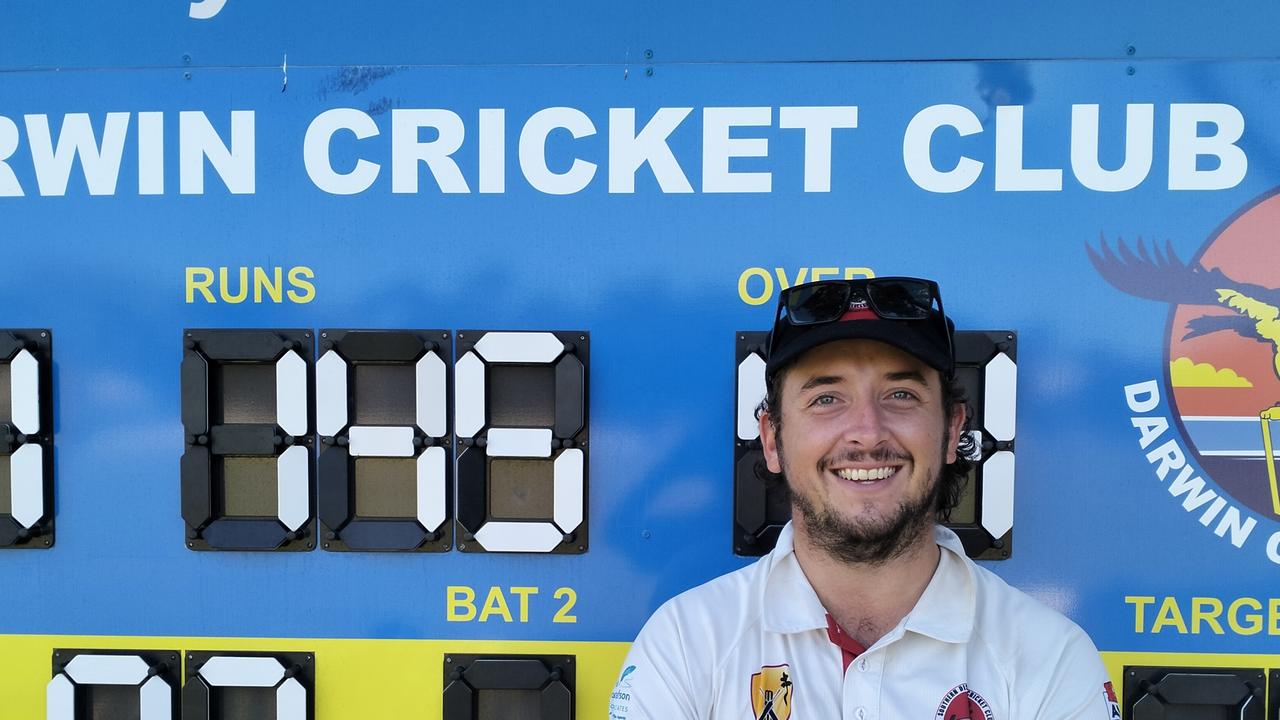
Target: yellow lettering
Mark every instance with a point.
(782, 277)
(745, 293)
(308, 290)
(1169, 615)
(1208, 610)
(1254, 619)
(864, 272)
(819, 273)
(273, 285)
(460, 602)
(224, 285)
(570, 599)
(495, 604)
(1139, 603)
(199, 278)
(524, 593)
(1273, 616)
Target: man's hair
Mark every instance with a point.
(954, 475)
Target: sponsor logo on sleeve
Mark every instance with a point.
(620, 701)
(1109, 694)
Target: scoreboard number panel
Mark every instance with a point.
(508, 687)
(986, 366)
(249, 686)
(382, 414)
(113, 684)
(26, 439)
(522, 427)
(246, 413)
(1167, 693)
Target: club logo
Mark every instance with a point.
(1221, 378)
(771, 693)
(961, 703)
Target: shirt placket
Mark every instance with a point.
(862, 686)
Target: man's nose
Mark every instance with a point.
(864, 424)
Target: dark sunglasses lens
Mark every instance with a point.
(817, 303)
(901, 299)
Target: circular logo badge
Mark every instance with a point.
(961, 703)
(1223, 372)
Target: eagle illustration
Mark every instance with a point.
(1161, 276)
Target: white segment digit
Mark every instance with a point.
(60, 699)
(331, 393)
(377, 441)
(236, 671)
(519, 442)
(539, 537)
(520, 347)
(431, 487)
(24, 392)
(291, 701)
(293, 498)
(751, 390)
(26, 482)
(1000, 410)
(107, 669)
(291, 393)
(431, 394)
(997, 494)
(468, 384)
(155, 695)
(567, 500)
(156, 700)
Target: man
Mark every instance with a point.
(866, 608)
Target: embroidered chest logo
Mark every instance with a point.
(771, 693)
(961, 703)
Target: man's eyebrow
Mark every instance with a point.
(901, 375)
(818, 380)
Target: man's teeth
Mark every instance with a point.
(865, 474)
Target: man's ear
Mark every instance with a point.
(955, 424)
(769, 442)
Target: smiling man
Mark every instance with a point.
(866, 608)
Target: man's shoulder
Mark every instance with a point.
(1018, 626)
(718, 607)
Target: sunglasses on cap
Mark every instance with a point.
(905, 299)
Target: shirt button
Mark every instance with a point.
(860, 713)
(862, 664)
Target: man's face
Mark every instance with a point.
(864, 438)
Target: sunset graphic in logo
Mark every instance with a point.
(1223, 339)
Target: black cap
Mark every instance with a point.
(925, 339)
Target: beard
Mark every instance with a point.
(870, 541)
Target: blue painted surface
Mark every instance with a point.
(654, 278)
(160, 33)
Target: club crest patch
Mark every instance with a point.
(961, 703)
(771, 693)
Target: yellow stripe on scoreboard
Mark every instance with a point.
(404, 678)
(375, 679)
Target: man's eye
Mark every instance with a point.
(902, 395)
(823, 400)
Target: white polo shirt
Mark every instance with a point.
(757, 644)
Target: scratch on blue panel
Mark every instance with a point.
(355, 79)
